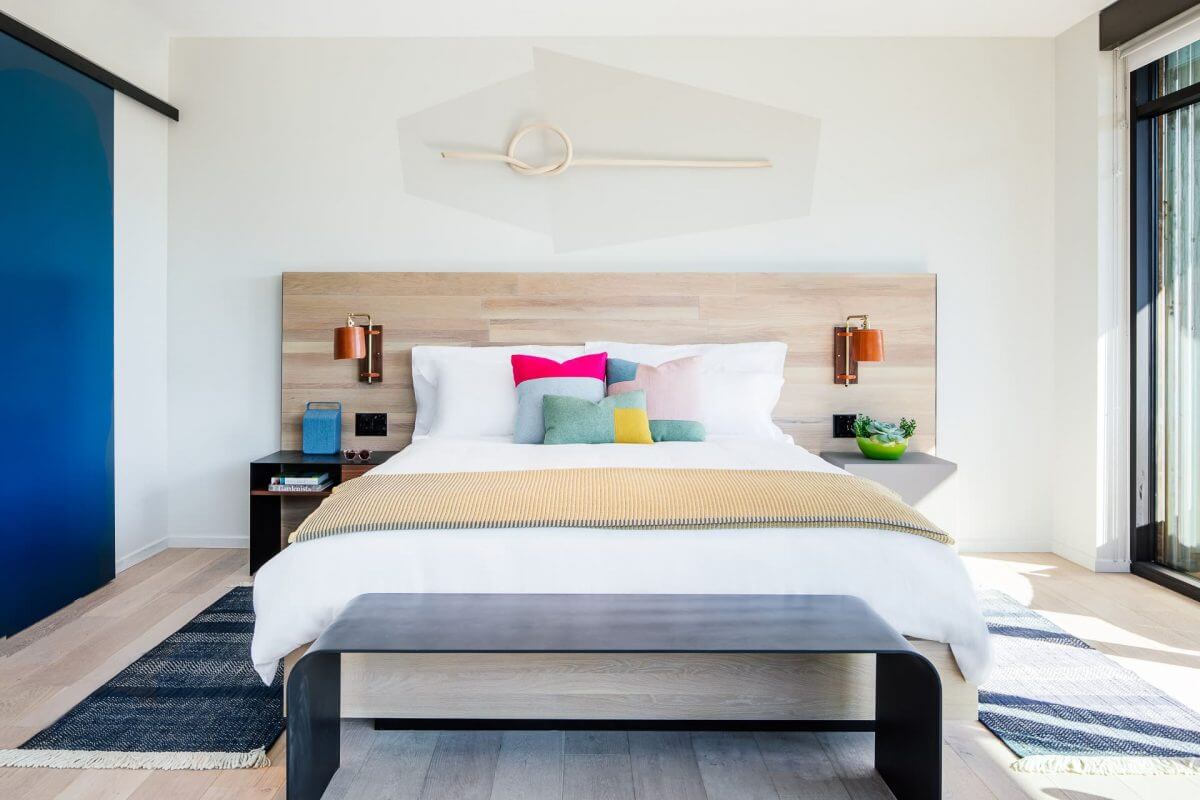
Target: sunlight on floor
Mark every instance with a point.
(1082, 603)
(1012, 576)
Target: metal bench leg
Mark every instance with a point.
(314, 724)
(908, 726)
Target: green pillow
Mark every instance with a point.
(620, 419)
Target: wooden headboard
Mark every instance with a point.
(493, 308)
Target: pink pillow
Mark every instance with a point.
(528, 368)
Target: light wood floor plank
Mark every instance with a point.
(530, 766)
(357, 736)
(395, 767)
(175, 784)
(35, 784)
(664, 766)
(732, 767)
(853, 758)
(463, 766)
(238, 784)
(104, 784)
(989, 759)
(597, 777)
(959, 781)
(596, 743)
(799, 767)
(160, 583)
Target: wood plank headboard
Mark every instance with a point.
(491, 308)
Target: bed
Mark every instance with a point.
(919, 586)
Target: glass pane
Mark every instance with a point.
(1180, 69)
(1178, 356)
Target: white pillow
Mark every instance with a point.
(469, 391)
(742, 381)
(741, 404)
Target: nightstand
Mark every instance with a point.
(925, 482)
(270, 510)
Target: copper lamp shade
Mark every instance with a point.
(350, 342)
(868, 344)
(853, 342)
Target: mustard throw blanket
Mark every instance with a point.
(613, 498)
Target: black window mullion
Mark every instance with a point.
(1143, 181)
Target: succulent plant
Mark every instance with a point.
(884, 432)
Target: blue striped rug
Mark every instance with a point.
(1064, 707)
(193, 702)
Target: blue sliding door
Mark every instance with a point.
(56, 335)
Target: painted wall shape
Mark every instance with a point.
(611, 112)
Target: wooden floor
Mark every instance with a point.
(45, 670)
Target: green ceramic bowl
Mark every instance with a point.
(884, 451)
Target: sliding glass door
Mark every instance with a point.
(1166, 259)
(1177, 543)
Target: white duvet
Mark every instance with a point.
(919, 586)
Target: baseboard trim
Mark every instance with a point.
(142, 553)
(232, 542)
(1076, 555)
(1089, 560)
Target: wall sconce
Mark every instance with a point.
(363, 342)
(852, 345)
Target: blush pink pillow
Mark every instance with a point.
(674, 400)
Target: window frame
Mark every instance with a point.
(1144, 185)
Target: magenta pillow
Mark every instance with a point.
(536, 377)
(529, 368)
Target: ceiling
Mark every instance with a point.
(332, 18)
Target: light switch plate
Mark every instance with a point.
(370, 424)
(843, 426)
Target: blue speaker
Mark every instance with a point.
(321, 431)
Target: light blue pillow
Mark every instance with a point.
(530, 427)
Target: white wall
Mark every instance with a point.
(140, 333)
(1090, 527)
(935, 155)
(127, 43)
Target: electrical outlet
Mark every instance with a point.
(843, 426)
(370, 424)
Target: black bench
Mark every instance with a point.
(908, 690)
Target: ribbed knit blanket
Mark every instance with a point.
(616, 498)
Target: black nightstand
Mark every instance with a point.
(266, 507)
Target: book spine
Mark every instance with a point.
(304, 480)
(291, 489)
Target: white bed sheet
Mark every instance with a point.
(919, 586)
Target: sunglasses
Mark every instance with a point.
(351, 455)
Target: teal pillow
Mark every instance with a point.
(620, 419)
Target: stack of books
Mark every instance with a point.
(310, 482)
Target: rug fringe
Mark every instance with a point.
(1109, 765)
(114, 759)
